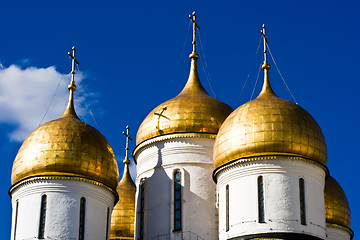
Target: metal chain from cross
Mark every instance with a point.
(127, 160)
(195, 25)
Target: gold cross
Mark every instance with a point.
(195, 25)
(265, 40)
(72, 85)
(126, 160)
(161, 115)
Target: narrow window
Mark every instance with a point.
(261, 199)
(107, 223)
(177, 200)
(142, 206)
(16, 217)
(227, 208)
(302, 201)
(42, 217)
(82, 219)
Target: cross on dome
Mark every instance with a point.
(70, 110)
(72, 85)
(126, 160)
(266, 87)
(266, 64)
(195, 25)
(161, 115)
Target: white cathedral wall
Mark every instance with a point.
(62, 209)
(156, 164)
(333, 233)
(281, 198)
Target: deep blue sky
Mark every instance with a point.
(132, 59)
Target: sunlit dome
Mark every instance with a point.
(192, 111)
(66, 147)
(337, 209)
(269, 126)
(123, 215)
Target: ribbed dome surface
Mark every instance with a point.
(66, 146)
(269, 125)
(123, 215)
(192, 111)
(337, 209)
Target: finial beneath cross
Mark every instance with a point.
(195, 25)
(266, 64)
(126, 160)
(72, 85)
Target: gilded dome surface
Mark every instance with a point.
(337, 209)
(123, 215)
(66, 147)
(269, 125)
(192, 111)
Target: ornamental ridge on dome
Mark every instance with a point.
(269, 126)
(66, 147)
(192, 111)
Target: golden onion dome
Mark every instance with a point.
(123, 215)
(269, 125)
(192, 111)
(337, 209)
(66, 147)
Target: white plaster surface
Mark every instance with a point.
(156, 164)
(337, 234)
(281, 191)
(63, 209)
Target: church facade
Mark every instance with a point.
(204, 171)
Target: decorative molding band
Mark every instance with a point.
(64, 177)
(346, 229)
(171, 136)
(171, 152)
(240, 161)
(281, 166)
(120, 238)
(173, 166)
(278, 236)
(175, 150)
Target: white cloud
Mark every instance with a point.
(25, 95)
